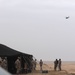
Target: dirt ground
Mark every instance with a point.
(67, 69)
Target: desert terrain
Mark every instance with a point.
(68, 68)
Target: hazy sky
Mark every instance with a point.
(39, 27)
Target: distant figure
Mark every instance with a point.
(25, 67)
(34, 64)
(18, 65)
(41, 63)
(55, 64)
(4, 63)
(59, 64)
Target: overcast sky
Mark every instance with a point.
(39, 27)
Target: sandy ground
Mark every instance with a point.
(68, 68)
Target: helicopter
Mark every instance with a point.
(67, 17)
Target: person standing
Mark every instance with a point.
(59, 64)
(55, 64)
(25, 67)
(41, 63)
(4, 63)
(18, 65)
(35, 64)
